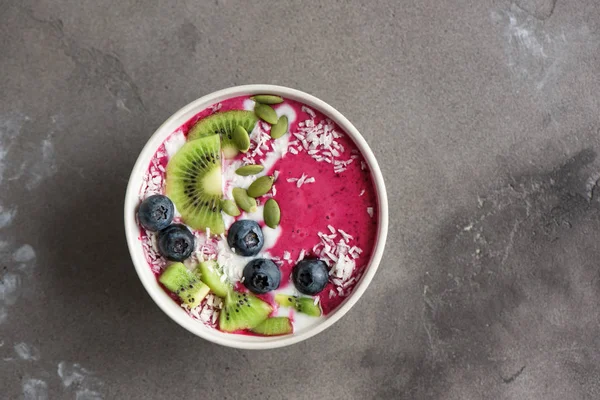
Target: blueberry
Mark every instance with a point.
(156, 212)
(176, 242)
(261, 276)
(245, 237)
(310, 276)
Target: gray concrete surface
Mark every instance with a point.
(484, 116)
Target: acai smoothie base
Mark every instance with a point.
(258, 216)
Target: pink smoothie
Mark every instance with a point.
(325, 192)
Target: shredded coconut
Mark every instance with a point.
(153, 182)
(207, 311)
(340, 257)
(300, 180)
(319, 140)
(153, 257)
(301, 256)
(345, 235)
(309, 111)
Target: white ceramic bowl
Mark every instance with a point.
(132, 230)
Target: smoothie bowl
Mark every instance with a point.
(256, 216)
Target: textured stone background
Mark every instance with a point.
(483, 115)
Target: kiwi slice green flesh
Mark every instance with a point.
(193, 183)
(223, 124)
(304, 305)
(211, 274)
(274, 326)
(242, 311)
(181, 281)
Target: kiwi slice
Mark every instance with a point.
(210, 273)
(224, 124)
(181, 281)
(274, 326)
(193, 183)
(242, 311)
(305, 305)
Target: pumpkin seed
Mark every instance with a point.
(280, 128)
(272, 213)
(260, 186)
(267, 99)
(244, 201)
(248, 170)
(241, 139)
(230, 208)
(266, 113)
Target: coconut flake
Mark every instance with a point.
(370, 211)
(348, 282)
(309, 111)
(346, 236)
(301, 256)
(300, 181)
(331, 256)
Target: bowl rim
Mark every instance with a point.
(147, 277)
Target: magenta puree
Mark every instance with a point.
(334, 199)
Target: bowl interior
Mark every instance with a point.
(147, 277)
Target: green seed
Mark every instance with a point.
(230, 208)
(244, 201)
(261, 186)
(241, 139)
(248, 170)
(271, 213)
(280, 128)
(266, 113)
(267, 99)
